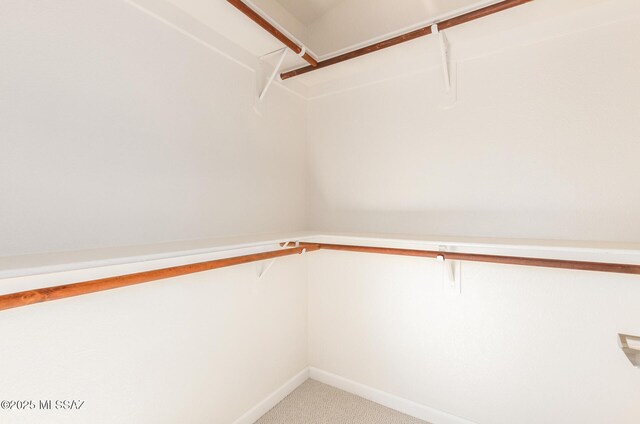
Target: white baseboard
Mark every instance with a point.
(273, 399)
(405, 406)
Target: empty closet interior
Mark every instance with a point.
(319, 211)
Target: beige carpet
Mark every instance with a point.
(317, 403)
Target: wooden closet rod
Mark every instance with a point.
(473, 257)
(255, 17)
(46, 294)
(458, 20)
(14, 300)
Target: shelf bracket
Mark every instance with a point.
(275, 73)
(451, 273)
(444, 55)
(449, 70)
(263, 269)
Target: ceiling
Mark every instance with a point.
(330, 27)
(307, 11)
(325, 27)
(353, 23)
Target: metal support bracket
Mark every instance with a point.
(449, 69)
(263, 269)
(451, 273)
(444, 54)
(275, 73)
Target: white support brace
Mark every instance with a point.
(451, 273)
(275, 72)
(270, 264)
(263, 270)
(444, 52)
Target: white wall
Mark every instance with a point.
(116, 129)
(109, 116)
(202, 349)
(542, 144)
(519, 345)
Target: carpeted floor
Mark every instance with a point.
(317, 403)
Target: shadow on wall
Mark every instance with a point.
(529, 224)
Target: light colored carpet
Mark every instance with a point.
(317, 403)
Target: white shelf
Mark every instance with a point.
(480, 242)
(46, 263)
(550, 249)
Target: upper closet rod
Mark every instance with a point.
(253, 15)
(46, 294)
(458, 20)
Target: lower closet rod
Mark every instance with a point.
(14, 300)
(497, 259)
(46, 294)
